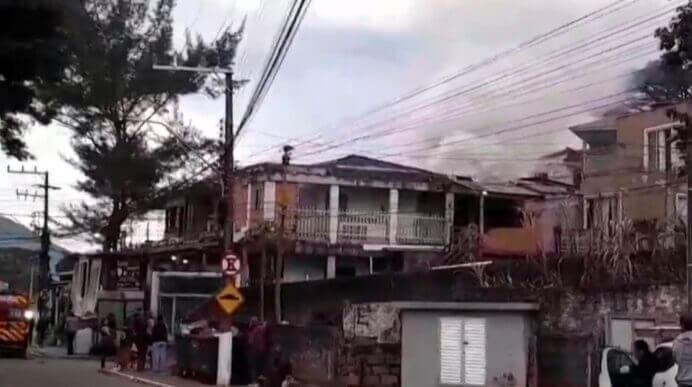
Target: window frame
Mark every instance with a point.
(667, 145)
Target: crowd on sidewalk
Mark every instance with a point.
(141, 345)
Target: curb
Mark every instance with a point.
(132, 378)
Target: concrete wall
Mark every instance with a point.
(506, 348)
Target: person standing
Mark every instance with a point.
(682, 352)
(108, 335)
(71, 327)
(159, 342)
(141, 341)
(646, 366)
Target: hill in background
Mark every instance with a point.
(19, 247)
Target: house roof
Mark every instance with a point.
(599, 132)
(568, 155)
(362, 168)
(545, 186)
(507, 189)
(604, 124)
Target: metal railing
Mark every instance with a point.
(358, 226)
(420, 229)
(363, 227)
(307, 224)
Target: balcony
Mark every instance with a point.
(358, 227)
(421, 229)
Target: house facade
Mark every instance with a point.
(632, 166)
(347, 217)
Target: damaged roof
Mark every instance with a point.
(361, 168)
(546, 186)
(507, 189)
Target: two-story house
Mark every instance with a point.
(631, 168)
(346, 217)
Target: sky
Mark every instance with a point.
(349, 57)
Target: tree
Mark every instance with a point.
(32, 48)
(669, 79)
(111, 95)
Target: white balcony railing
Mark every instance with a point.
(418, 229)
(363, 227)
(307, 224)
(358, 226)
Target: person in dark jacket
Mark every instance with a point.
(647, 365)
(109, 333)
(141, 340)
(159, 341)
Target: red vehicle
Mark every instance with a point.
(16, 322)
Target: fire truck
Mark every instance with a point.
(16, 322)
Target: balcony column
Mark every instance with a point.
(393, 215)
(331, 266)
(269, 200)
(333, 213)
(449, 216)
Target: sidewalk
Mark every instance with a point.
(151, 379)
(54, 353)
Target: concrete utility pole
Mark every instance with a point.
(44, 257)
(229, 140)
(689, 218)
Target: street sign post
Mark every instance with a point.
(229, 299)
(230, 264)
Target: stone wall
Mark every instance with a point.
(312, 351)
(369, 364)
(569, 329)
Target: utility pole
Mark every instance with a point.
(44, 257)
(228, 159)
(280, 244)
(688, 259)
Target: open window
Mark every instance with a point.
(661, 152)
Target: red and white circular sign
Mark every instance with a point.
(230, 264)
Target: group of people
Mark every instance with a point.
(648, 364)
(141, 337)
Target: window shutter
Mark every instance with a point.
(451, 350)
(474, 351)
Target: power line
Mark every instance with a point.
(460, 111)
(536, 40)
(274, 61)
(593, 56)
(637, 50)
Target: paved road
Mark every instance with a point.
(56, 373)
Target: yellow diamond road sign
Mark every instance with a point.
(229, 299)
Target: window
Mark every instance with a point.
(462, 351)
(257, 198)
(681, 206)
(659, 148)
(602, 213)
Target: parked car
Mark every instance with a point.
(617, 365)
